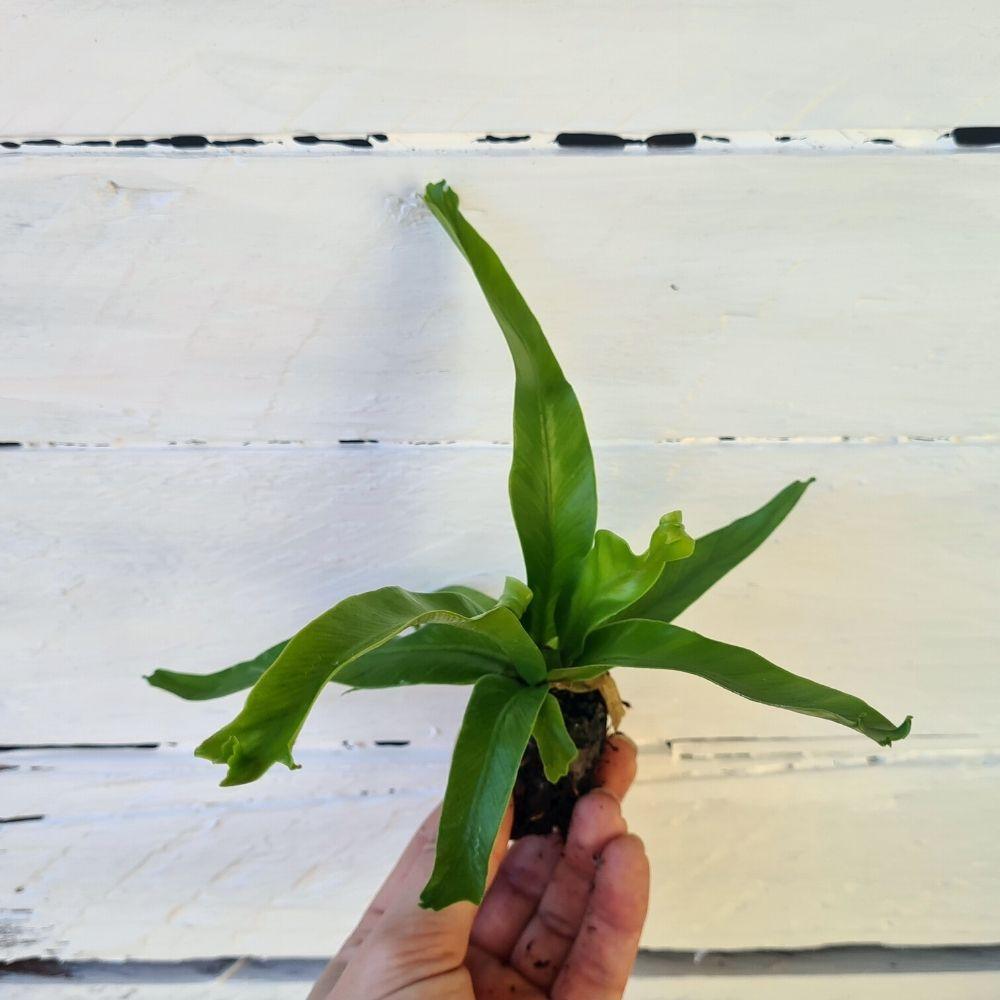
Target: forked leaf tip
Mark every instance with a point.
(900, 732)
(439, 190)
(887, 737)
(225, 754)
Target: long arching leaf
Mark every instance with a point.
(553, 492)
(660, 646)
(265, 730)
(435, 654)
(715, 554)
(460, 657)
(495, 730)
(202, 687)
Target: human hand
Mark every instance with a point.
(556, 922)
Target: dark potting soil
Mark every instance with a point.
(540, 807)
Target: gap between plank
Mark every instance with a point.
(847, 959)
(811, 141)
(733, 440)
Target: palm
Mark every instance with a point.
(558, 921)
(565, 923)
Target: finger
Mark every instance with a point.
(409, 943)
(386, 893)
(616, 768)
(546, 940)
(492, 978)
(526, 871)
(601, 959)
(514, 895)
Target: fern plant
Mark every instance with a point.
(538, 656)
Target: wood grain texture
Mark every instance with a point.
(285, 299)
(116, 562)
(382, 66)
(139, 856)
(230, 299)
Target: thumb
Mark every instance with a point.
(410, 944)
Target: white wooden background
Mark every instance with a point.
(245, 381)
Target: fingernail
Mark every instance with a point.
(622, 738)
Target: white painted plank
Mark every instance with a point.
(31, 988)
(221, 298)
(865, 986)
(114, 562)
(139, 856)
(386, 66)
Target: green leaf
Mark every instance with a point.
(265, 730)
(202, 687)
(460, 657)
(553, 492)
(495, 730)
(668, 647)
(715, 554)
(434, 654)
(555, 745)
(482, 601)
(613, 577)
(515, 596)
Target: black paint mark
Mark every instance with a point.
(21, 819)
(93, 142)
(357, 441)
(131, 143)
(379, 137)
(10, 444)
(183, 141)
(41, 142)
(503, 138)
(7, 747)
(314, 140)
(883, 142)
(237, 142)
(10, 145)
(715, 138)
(594, 140)
(671, 140)
(782, 138)
(978, 135)
(392, 743)
(726, 437)
(46, 967)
